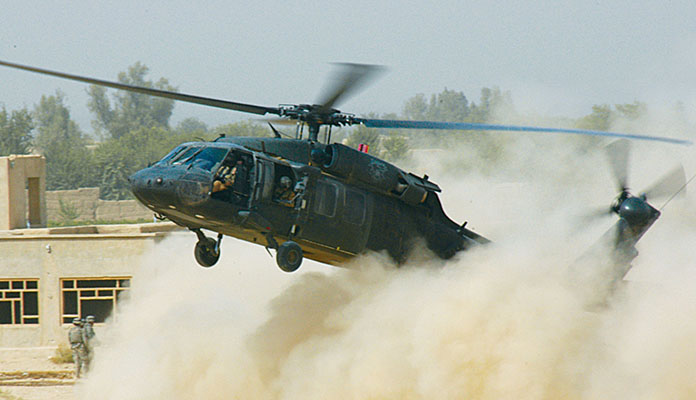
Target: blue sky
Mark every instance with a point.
(556, 57)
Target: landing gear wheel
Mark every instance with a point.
(289, 256)
(206, 252)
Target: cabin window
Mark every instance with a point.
(98, 297)
(19, 301)
(325, 199)
(354, 211)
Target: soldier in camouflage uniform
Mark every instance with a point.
(78, 341)
(91, 340)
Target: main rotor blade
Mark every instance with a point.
(467, 126)
(347, 79)
(618, 153)
(229, 105)
(668, 184)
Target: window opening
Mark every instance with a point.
(325, 199)
(231, 180)
(97, 297)
(354, 211)
(19, 301)
(285, 188)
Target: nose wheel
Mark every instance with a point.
(207, 251)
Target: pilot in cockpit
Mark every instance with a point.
(235, 177)
(224, 178)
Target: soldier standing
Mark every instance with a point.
(90, 340)
(77, 339)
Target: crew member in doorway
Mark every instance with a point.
(284, 192)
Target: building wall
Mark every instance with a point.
(50, 255)
(89, 207)
(14, 172)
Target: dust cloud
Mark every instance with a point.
(503, 321)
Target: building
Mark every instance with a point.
(48, 276)
(22, 191)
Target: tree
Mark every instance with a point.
(492, 103)
(395, 148)
(368, 136)
(416, 108)
(631, 111)
(69, 163)
(242, 128)
(118, 158)
(15, 132)
(599, 120)
(191, 125)
(130, 111)
(448, 105)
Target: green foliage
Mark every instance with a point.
(69, 163)
(241, 129)
(453, 106)
(368, 136)
(416, 108)
(191, 126)
(492, 103)
(68, 212)
(448, 105)
(631, 111)
(15, 132)
(598, 120)
(130, 111)
(395, 148)
(603, 116)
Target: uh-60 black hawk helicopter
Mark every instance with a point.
(325, 201)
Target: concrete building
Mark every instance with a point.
(50, 276)
(22, 191)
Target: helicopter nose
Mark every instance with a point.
(148, 186)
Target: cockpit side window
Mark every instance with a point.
(166, 159)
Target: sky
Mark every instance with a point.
(557, 58)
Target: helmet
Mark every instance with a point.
(90, 318)
(76, 321)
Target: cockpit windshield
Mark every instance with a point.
(184, 155)
(166, 159)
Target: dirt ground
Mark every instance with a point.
(28, 374)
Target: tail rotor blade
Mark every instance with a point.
(618, 153)
(667, 185)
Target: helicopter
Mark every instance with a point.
(310, 198)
